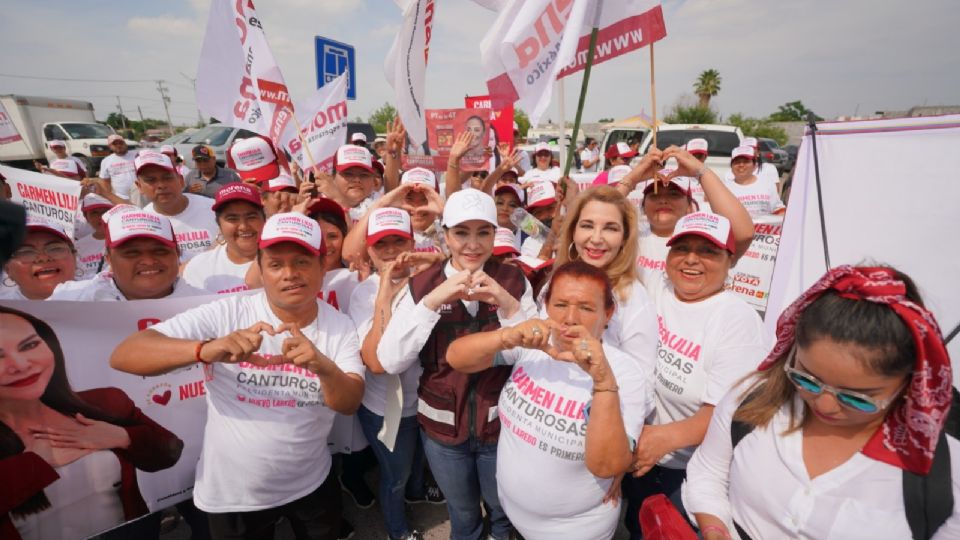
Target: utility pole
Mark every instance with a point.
(193, 81)
(123, 119)
(166, 100)
(140, 112)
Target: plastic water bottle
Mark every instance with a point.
(530, 225)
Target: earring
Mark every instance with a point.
(7, 282)
(572, 252)
(219, 240)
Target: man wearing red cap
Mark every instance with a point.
(191, 215)
(280, 364)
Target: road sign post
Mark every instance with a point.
(334, 58)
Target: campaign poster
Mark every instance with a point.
(501, 121)
(443, 128)
(751, 277)
(45, 196)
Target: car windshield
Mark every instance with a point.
(212, 135)
(87, 131)
(719, 143)
(772, 144)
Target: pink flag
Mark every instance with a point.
(238, 80)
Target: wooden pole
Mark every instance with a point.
(583, 96)
(306, 147)
(653, 99)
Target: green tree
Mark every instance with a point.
(692, 114)
(379, 118)
(117, 121)
(522, 120)
(707, 86)
(758, 127)
(605, 120)
(793, 111)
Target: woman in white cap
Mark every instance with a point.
(457, 413)
(574, 406)
(239, 213)
(543, 168)
(758, 196)
(709, 338)
(90, 247)
(766, 172)
(45, 259)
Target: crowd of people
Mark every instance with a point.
(545, 378)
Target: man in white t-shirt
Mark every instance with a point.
(118, 168)
(590, 156)
(192, 215)
(90, 247)
(279, 365)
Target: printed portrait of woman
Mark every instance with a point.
(68, 460)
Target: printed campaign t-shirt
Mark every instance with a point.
(653, 257)
(213, 271)
(265, 440)
(121, 172)
(542, 479)
(705, 347)
(759, 198)
(338, 286)
(195, 227)
(89, 256)
(552, 174)
(102, 288)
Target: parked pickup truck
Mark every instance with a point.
(40, 119)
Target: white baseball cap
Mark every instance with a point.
(506, 241)
(127, 222)
(293, 227)
(511, 188)
(467, 205)
(254, 159)
(280, 183)
(39, 224)
(351, 155)
(150, 158)
(697, 146)
(713, 227)
(168, 149)
(615, 174)
(742, 151)
(358, 136)
(420, 176)
(113, 137)
(57, 142)
(541, 193)
(66, 166)
(388, 221)
(542, 147)
(749, 141)
(92, 201)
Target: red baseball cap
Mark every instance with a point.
(293, 227)
(254, 159)
(619, 150)
(388, 221)
(237, 191)
(324, 204)
(351, 155)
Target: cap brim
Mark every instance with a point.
(266, 187)
(95, 206)
(701, 234)
(703, 152)
(274, 241)
(544, 202)
(377, 236)
(326, 205)
(341, 168)
(169, 243)
(256, 202)
(673, 183)
(505, 250)
(51, 230)
(157, 165)
(266, 172)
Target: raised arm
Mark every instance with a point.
(649, 164)
(355, 243)
(396, 136)
(382, 312)
(452, 180)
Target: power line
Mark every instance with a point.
(16, 76)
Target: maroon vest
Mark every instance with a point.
(454, 405)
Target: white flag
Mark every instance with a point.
(8, 131)
(238, 80)
(406, 66)
(323, 124)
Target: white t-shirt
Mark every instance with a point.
(89, 256)
(214, 272)
(705, 347)
(265, 440)
(338, 286)
(759, 198)
(542, 480)
(12, 293)
(552, 174)
(653, 257)
(195, 227)
(374, 394)
(587, 155)
(121, 172)
(102, 288)
(768, 172)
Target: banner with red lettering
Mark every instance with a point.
(501, 122)
(323, 125)
(751, 278)
(162, 418)
(443, 127)
(46, 196)
(405, 66)
(8, 131)
(238, 80)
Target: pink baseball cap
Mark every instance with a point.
(57, 142)
(127, 222)
(697, 146)
(351, 155)
(92, 201)
(253, 159)
(388, 221)
(511, 188)
(293, 227)
(505, 242)
(113, 137)
(742, 151)
(749, 141)
(620, 150)
(541, 193)
(168, 150)
(237, 191)
(542, 147)
(712, 227)
(66, 166)
(420, 176)
(150, 158)
(280, 183)
(39, 224)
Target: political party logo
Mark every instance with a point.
(160, 394)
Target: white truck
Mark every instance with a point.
(721, 140)
(40, 119)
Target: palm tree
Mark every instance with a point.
(707, 86)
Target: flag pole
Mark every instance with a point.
(583, 94)
(653, 99)
(306, 147)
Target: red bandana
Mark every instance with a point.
(909, 433)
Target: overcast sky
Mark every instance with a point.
(839, 58)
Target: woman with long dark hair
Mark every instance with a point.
(68, 459)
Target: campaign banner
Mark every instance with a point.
(238, 80)
(405, 65)
(97, 476)
(443, 128)
(8, 131)
(501, 121)
(323, 125)
(751, 277)
(45, 196)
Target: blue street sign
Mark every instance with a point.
(333, 58)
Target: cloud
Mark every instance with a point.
(163, 26)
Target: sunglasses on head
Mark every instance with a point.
(856, 401)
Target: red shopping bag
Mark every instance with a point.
(660, 520)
